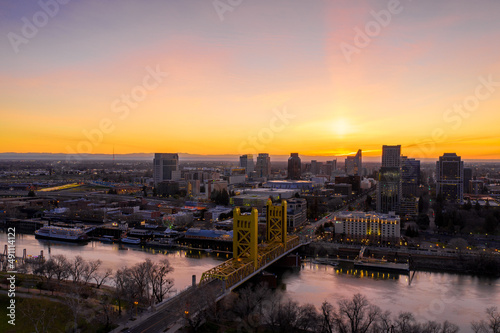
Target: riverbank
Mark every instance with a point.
(480, 263)
(57, 305)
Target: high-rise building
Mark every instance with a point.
(349, 165)
(246, 161)
(358, 163)
(166, 167)
(296, 213)
(391, 156)
(467, 180)
(263, 166)
(410, 176)
(353, 164)
(294, 166)
(450, 177)
(389, 190)
(330, 167)
(316, 167)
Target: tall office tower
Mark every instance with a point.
(410, 176)
(263, 166)
(330, 167)
(316, 167)
(389, 190)
(450, 177)
(166, 167)
(391, 156)
(349, 165)
(467, 179)
(358, 163)
(353, 164)
(246, 161)
(294, 166)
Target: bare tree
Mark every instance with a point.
(46, 270)
(327, 317)
(77, 268)
(491, 324)
(406, 323)
(307, 318)
(100, 278)
(61, 267)
(356, 315)
(157, 276)
(105, 302)
(282, 316)
(449, 328)
(248, 306)
(125, 288)
(74, 301)
(90, 270)
(40, 312)
(139, 275)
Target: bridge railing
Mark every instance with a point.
(236, 269)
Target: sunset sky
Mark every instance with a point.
(314, 77)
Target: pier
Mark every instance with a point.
(4, 258)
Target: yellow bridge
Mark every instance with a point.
(249, 257)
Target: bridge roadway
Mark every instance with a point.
(194, 299)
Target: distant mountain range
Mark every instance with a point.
(183, 157)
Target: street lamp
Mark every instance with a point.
(135, 303)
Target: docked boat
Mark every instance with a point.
(107, 238)
(61, 233)
(379, 264)
(161, 242)
(383, 266)
(140, 232)
(324, 261)
(131, 240)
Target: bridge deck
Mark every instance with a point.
(234, 271)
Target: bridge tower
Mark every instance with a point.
(245, 236)
(276, 220)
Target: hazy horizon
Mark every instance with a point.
(322, 78)
(186, 157)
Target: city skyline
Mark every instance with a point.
(319, 78)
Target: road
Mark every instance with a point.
(185, 304)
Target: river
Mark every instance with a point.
(459, 299)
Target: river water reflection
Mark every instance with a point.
(459, 299)
(430, 296)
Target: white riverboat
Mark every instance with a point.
(61, 233)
